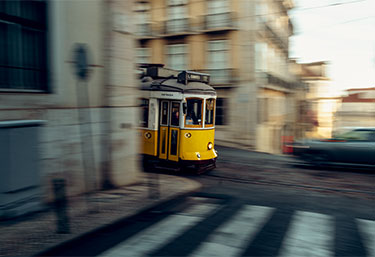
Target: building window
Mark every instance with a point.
(143, 55)
(218, 54)
(176, 56)
(263, 110)
(220, 111)
(217, 61)
(217, 6)
(261, 57)
(261, 11)
(177, 16)
(142, 13)
(23, 45)
(218, 14)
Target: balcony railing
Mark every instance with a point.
(144, 30)
(221, 76)
(276, 36)
(278, 81)
(219, 21)
(177, 26)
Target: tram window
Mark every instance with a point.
(194, 112)
(164, 113)
(174, 140)
(210, 107)
(220, 118)
(175, 114)
(144, 119)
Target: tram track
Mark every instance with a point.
(277, 183)
(336, 186)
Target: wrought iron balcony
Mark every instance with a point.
(221, 76)
(278, 81)
(277, 36)
(144, 30)
(220, 21)
(177, 26)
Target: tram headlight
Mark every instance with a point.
(210, 146)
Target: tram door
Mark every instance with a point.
(169, 130)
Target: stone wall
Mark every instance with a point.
(89, 140)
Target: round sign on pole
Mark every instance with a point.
(81, 65)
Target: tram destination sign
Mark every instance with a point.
(190, 76)
(167, 95)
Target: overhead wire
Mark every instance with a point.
(293, 10)
(332, 25)
(304, 32)
(328, 5)
(230, 43)
(166, 7)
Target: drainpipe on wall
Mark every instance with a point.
(106, 117)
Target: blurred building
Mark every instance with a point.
(357, 109)
(88, 138)
(244, 46)
(320, 103)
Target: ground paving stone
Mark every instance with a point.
(29, 235)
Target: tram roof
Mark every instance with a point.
(172, 85)
(158, 78)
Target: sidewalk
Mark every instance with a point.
(35, 233)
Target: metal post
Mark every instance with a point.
(82, 72)
(61, 202)
(153, 182)
(84, 115)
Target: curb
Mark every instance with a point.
(108, 227)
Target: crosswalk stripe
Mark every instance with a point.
(231, 238)
(367, 231)
(310, 234)
(161, 232)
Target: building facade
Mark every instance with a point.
(320, 102)
(243, 45)
(357, 109)
(88, 136)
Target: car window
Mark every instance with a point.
(356, 135)
(372, 136)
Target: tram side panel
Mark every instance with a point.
(150, 142)
(194, 143)
(150, 133)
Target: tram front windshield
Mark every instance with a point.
(194, 112)
(210, 108)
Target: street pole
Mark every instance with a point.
(84, 116)
(61, 204)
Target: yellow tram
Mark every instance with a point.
(178, 119)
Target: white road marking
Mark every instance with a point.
(310, 234)
(367, 230)
(231, 238)
(162, 232)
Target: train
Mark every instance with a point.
(177, 122)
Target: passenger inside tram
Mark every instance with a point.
(194, 112)
(175, 117)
